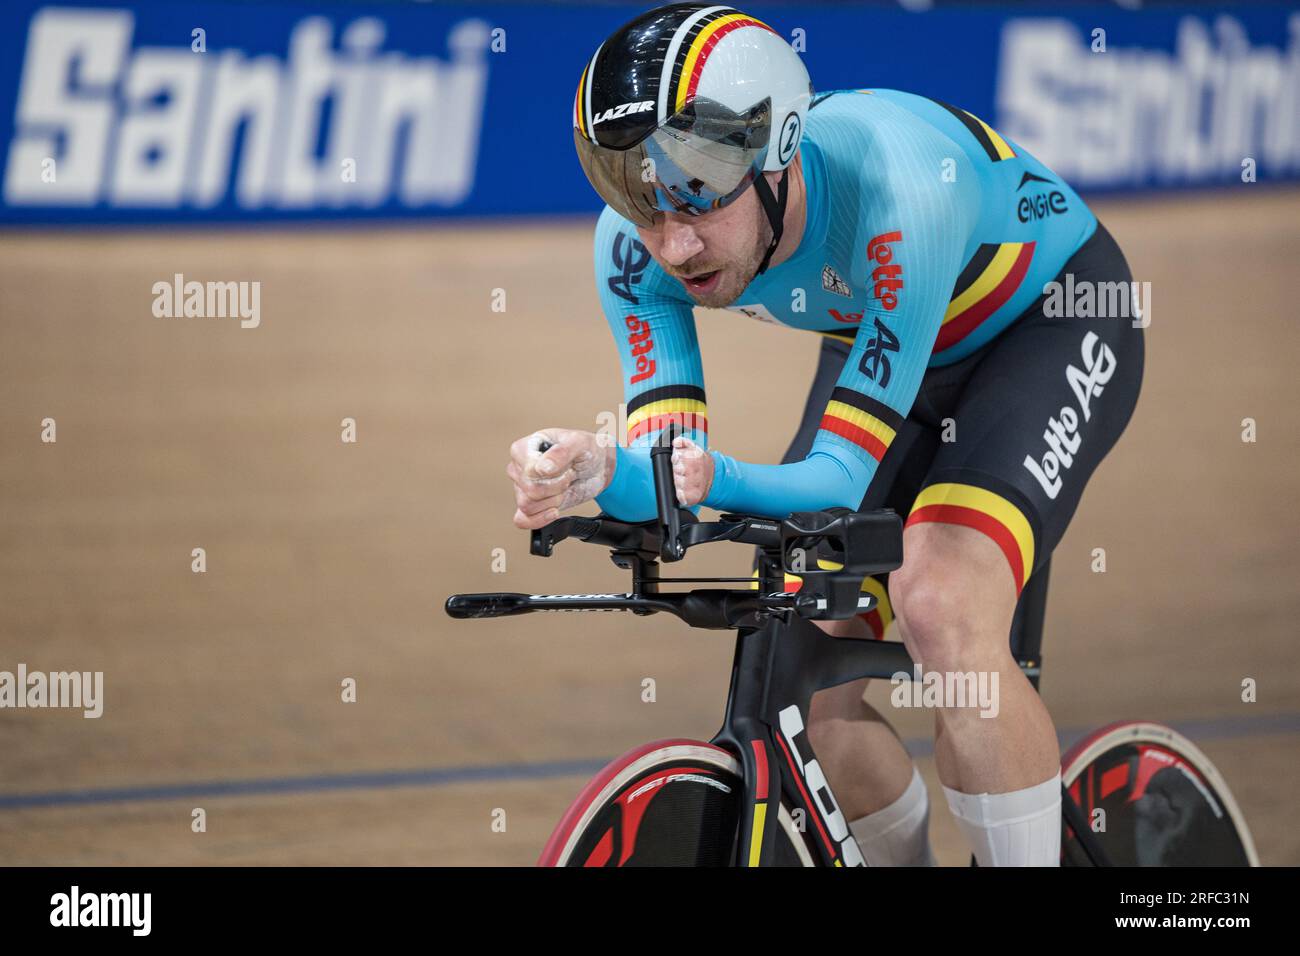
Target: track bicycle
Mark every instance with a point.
(755, 794)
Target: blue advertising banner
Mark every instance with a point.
(160, 111)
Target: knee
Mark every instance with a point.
(931, 615)
(952, 613)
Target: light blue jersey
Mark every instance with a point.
(927, 234)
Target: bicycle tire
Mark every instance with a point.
(1164, 802)
(667, 803)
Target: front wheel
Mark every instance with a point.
(1162, 802)
(669, 803)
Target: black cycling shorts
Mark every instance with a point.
(1005, 440)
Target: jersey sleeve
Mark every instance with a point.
(653, 325)
(913, 228)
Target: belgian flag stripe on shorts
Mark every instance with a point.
(978, 508)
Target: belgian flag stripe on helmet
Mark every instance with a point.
(582, 103)
(579, 110)
(678, 48)
(697, 53)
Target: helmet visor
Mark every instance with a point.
(695, 161)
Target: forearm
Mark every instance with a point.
(818, 482)
(630, 495)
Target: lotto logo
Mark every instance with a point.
(1062, 433)
(642, 345)
(888, 277)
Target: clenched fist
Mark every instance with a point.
(692, 472)
(575, 468)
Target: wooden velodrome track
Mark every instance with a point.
(329, 561)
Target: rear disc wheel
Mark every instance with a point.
(1164, 803)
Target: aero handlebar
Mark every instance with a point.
(862, 543)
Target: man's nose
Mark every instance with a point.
(680, 241)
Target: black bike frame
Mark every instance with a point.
(776, 670)
(781, 658)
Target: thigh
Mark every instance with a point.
(1045, 403)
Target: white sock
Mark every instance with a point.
(899, 834)
(1020, 828)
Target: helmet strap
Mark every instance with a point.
(775, 209)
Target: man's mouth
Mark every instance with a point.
(703, 282)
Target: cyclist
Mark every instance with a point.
(921, 245)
